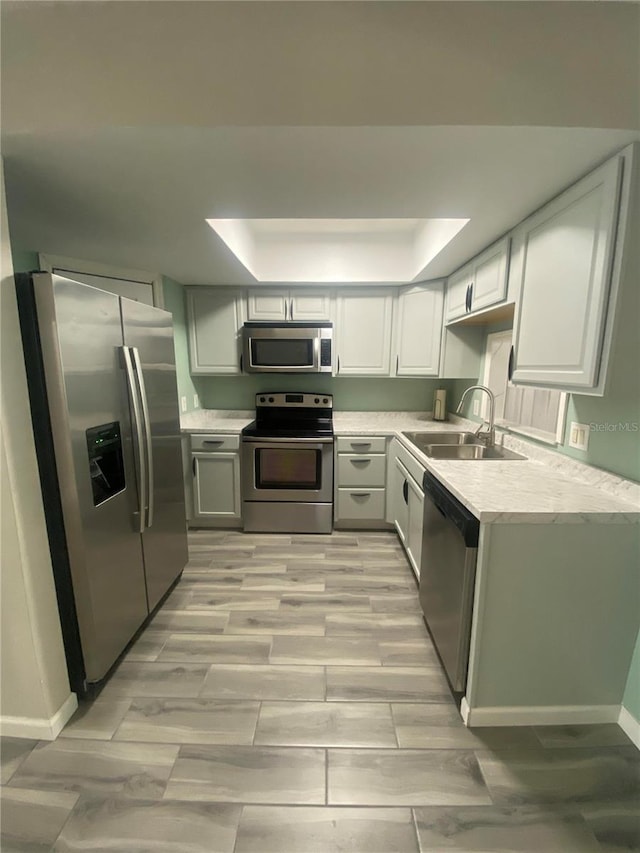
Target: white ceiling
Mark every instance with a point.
(139, 198)
(127, 125)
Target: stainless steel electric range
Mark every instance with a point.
(287, 464)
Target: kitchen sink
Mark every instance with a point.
(468, 451)
(425, 438)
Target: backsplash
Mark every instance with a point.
(349, 394)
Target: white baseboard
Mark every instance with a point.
(40, 728)
(544, 715)
(629, 725)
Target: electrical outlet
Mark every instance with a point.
(579, 436)
(196, 401)
(183, 404)
(476, 407)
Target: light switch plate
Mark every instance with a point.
(183, 404)
(579, 436)
(196, 401)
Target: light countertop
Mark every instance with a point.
(547, 487)
(229, 421)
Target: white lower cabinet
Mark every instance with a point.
(215, 468)
(360, 472)
(413, 542)
(406, 500)
(399, 500)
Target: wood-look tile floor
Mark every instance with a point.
(287, 698)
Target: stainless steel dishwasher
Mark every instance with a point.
(447, 576)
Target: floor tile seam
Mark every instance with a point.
(390, 748)
(67, 820)
(326, 777)
(255, 725)
(414, 822)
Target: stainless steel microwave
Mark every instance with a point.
(287, 347)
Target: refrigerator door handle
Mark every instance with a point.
(147, 434)
(137, 426)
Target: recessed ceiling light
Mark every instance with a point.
(336, 250)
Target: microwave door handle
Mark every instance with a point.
(138, 444)
(147, 434)
(316, 353)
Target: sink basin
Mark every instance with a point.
(468, 451)
(426, 438)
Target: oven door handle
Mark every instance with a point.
(286, 442)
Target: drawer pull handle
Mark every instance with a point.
(363, 461)
(360, 443)
(213, 441)
(360, 494)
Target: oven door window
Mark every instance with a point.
(282, 352)
(280, 468)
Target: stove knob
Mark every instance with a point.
(317, 400)
(326, 400)
(262, 399)
(271, 399)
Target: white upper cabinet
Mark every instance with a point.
(310, 305)
(480, 283)
(489, 284)
(418, 332)
(567, 251)
(363, 327)
(458, 286)
(214, 319)
(285, 305)
(268, 305)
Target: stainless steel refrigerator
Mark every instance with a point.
(104, 404)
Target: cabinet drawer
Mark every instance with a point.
(215, 442)
(356, 469)
(360, 504)
(361, 444)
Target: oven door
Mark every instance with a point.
(293, 469)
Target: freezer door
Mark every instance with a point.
(81, 338)
(148, 332)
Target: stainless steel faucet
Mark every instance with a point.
(488, 437)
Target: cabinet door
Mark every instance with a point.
(457, 288)
(214, 324)
(414, 525)
(399, 498)
(489, 284)
(419, 330)
(364, 332)
(268, 305)
(566, 276)
(216, 485)
(310, 305)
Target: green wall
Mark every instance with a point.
(174, 302)
(24, 260)
(631, 699)
(353, 395)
